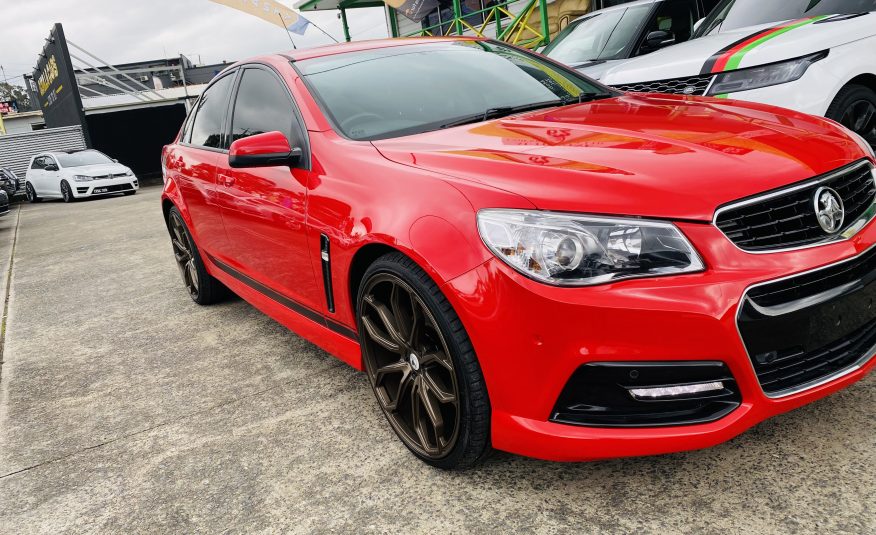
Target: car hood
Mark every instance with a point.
(699, 56)
(658, 156)
(596, 69)
(98, 169)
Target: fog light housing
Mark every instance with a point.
(647, 394)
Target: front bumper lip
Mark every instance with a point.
(530, 338)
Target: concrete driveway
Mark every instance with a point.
(125, 407)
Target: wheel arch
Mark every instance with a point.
(361, 261)
(867, 79)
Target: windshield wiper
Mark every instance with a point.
(504, 111)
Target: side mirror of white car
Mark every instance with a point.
(697, 24)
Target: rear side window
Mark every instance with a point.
(209, 116)
(263, 105)
(38, 163)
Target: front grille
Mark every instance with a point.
(803, 329)
(778, 220)
(694, 85)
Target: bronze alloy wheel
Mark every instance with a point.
(183, 252)
(410, 367)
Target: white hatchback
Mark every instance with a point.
(76, 174)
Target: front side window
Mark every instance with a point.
(601, 36)
(210, 114)
(402, 90)
(263, 105)
(676, 18)
(85, 157)
(733, 14)
(38, 163)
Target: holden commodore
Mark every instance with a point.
(523, 259)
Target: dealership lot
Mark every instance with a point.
(125, 407)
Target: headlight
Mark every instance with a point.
(572, 250)
(764, 76)
(82, 178)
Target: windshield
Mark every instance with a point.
(85, 157)
(601, 36)
(402, 90)
(733, 14)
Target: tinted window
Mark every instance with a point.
(389, 92)
(38, 163)
(601, 36)
(85, 157)
(207, 127)
(263, 105)
(676, 17)
(733, 14)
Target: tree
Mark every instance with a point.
(16, 93)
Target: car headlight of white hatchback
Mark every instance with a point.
(764, 75)
(578, 250)
(82, 178)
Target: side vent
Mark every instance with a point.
(325, 256)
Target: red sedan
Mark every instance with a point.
(521, 258)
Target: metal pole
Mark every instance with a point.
(545, 27)
(344, 24)
(457, 16)
(112, 68)
(393, 21)
(287, 30)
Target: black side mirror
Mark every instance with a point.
(51, 167)
(659, 39)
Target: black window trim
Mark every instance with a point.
(195, 110)
(305, 162)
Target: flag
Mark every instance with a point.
(416, 10)
(270, 11)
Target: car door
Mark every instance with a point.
(203, 148)
(51, 177)
(35, 174)
(263, 208)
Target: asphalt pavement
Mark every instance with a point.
(126, 408)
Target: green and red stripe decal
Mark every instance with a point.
(731, 56)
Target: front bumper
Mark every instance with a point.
(105, 186)
(531, 338)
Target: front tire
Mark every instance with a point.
(855, 108)
(31, 193)
(66, 192)
(421, 365)
(203, 288)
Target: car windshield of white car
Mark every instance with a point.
(79, 159)
(601, 36)
(404, 90)
(734, 14)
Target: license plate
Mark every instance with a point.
(99, 190)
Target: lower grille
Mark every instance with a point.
(806, 329)
(694, 85)
(113, 188)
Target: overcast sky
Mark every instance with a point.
(120, 31)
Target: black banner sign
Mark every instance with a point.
(56, 88)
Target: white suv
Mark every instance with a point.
(820, 58)
(73, 175)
